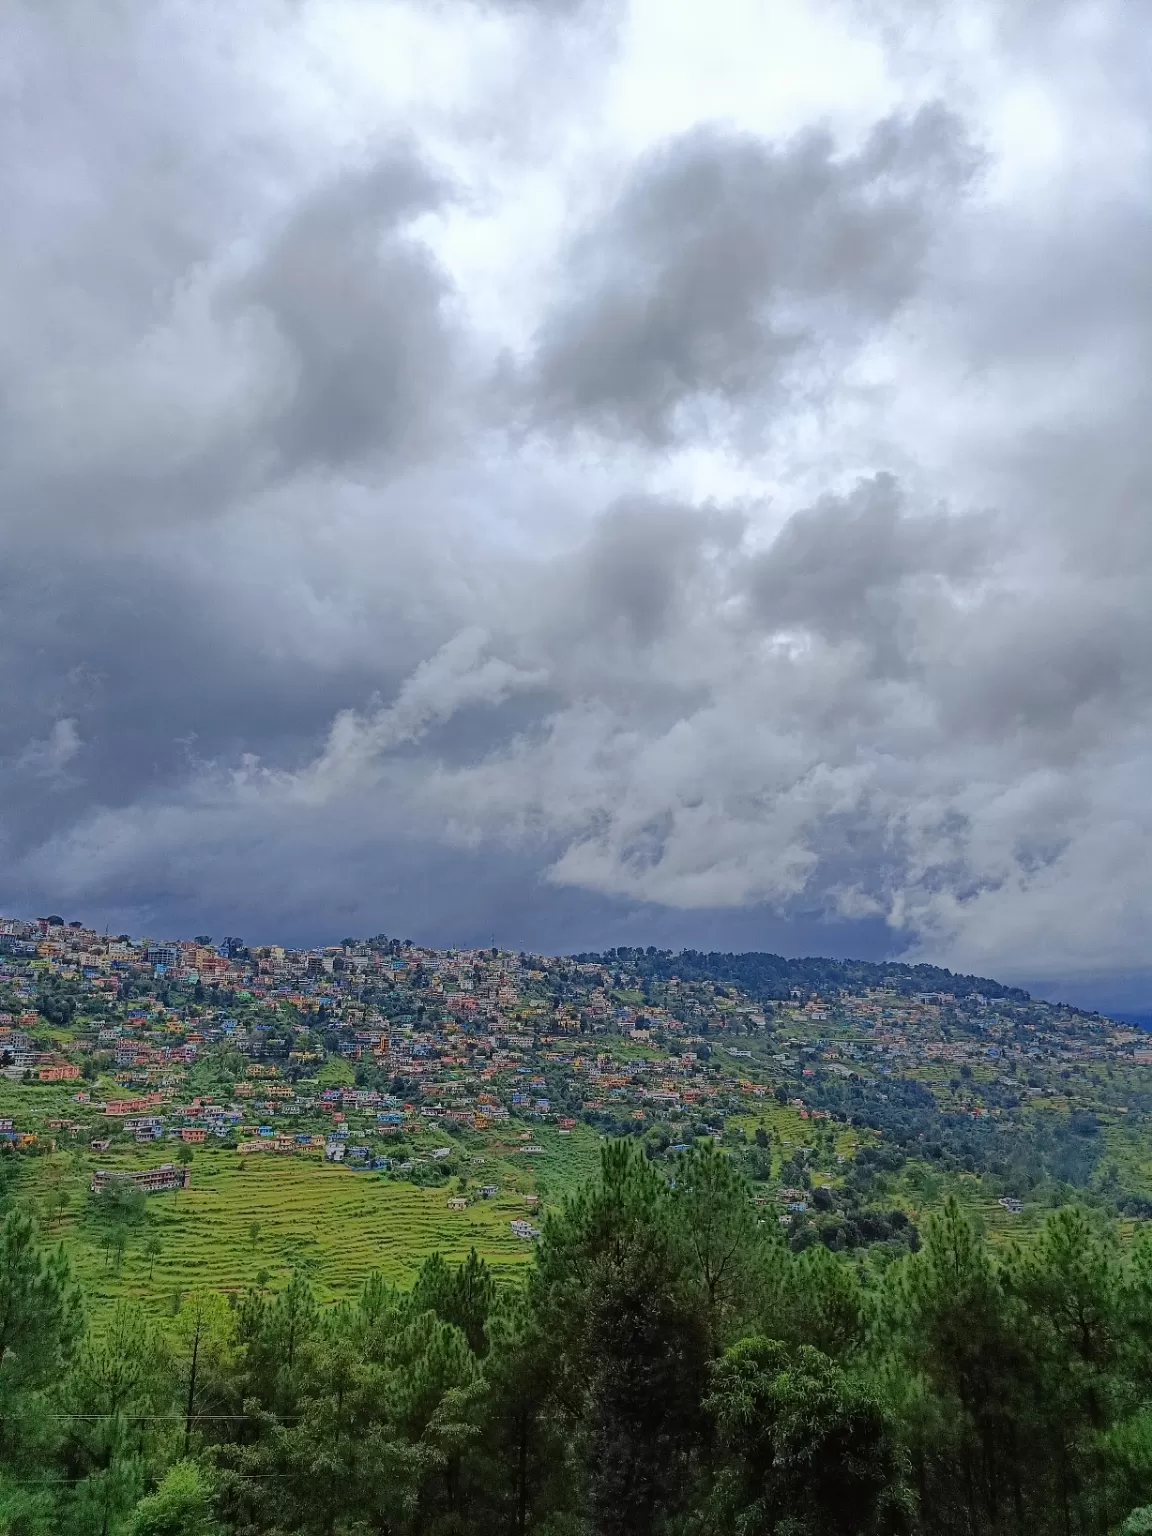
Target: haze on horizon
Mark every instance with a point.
(564, 474)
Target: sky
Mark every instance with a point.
(566, 473)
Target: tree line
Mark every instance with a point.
(668, 1367)
(768, 978)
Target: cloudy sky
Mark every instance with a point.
(567, 474)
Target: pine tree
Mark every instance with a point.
(611, 1288)
(40, 1325)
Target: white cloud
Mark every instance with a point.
(49, 757)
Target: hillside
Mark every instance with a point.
(378, 1237)
(361, 1106)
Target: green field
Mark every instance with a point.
(333, 1223)
(254, 1219)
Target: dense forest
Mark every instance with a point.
(670, 1365)
(770, 978)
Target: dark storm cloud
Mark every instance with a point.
(305, 623)
(185, 344)
(726, 259)
(161, 391)
(121, 178)
(193, 299)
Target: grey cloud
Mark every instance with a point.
(725, 258)
(113, 201)
(359, 305)
(148, 377)
(1061, 671)
(339, 643)
(50, 757)
(1082, 34)
(245, 633)
(166, 577)
(848, 566)
(641, 559)
(690, 765)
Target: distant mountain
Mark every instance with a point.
(769, 978)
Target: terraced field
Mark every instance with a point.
(253, 1220)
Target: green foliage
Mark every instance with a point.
(618, 1304)
(57, 1000)
(821, 1303)
(807, 1447)
(671, 1368)
(464, 1296)
(121, 1202)
(40, 1322)
(181, 1505)
(108, 1403)
(714, 1224)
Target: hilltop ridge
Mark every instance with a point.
(771, 977)
(763, 975)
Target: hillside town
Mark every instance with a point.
(366, 1053)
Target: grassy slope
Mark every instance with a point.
(335, 1223)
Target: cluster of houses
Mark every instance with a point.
(190, 1041)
